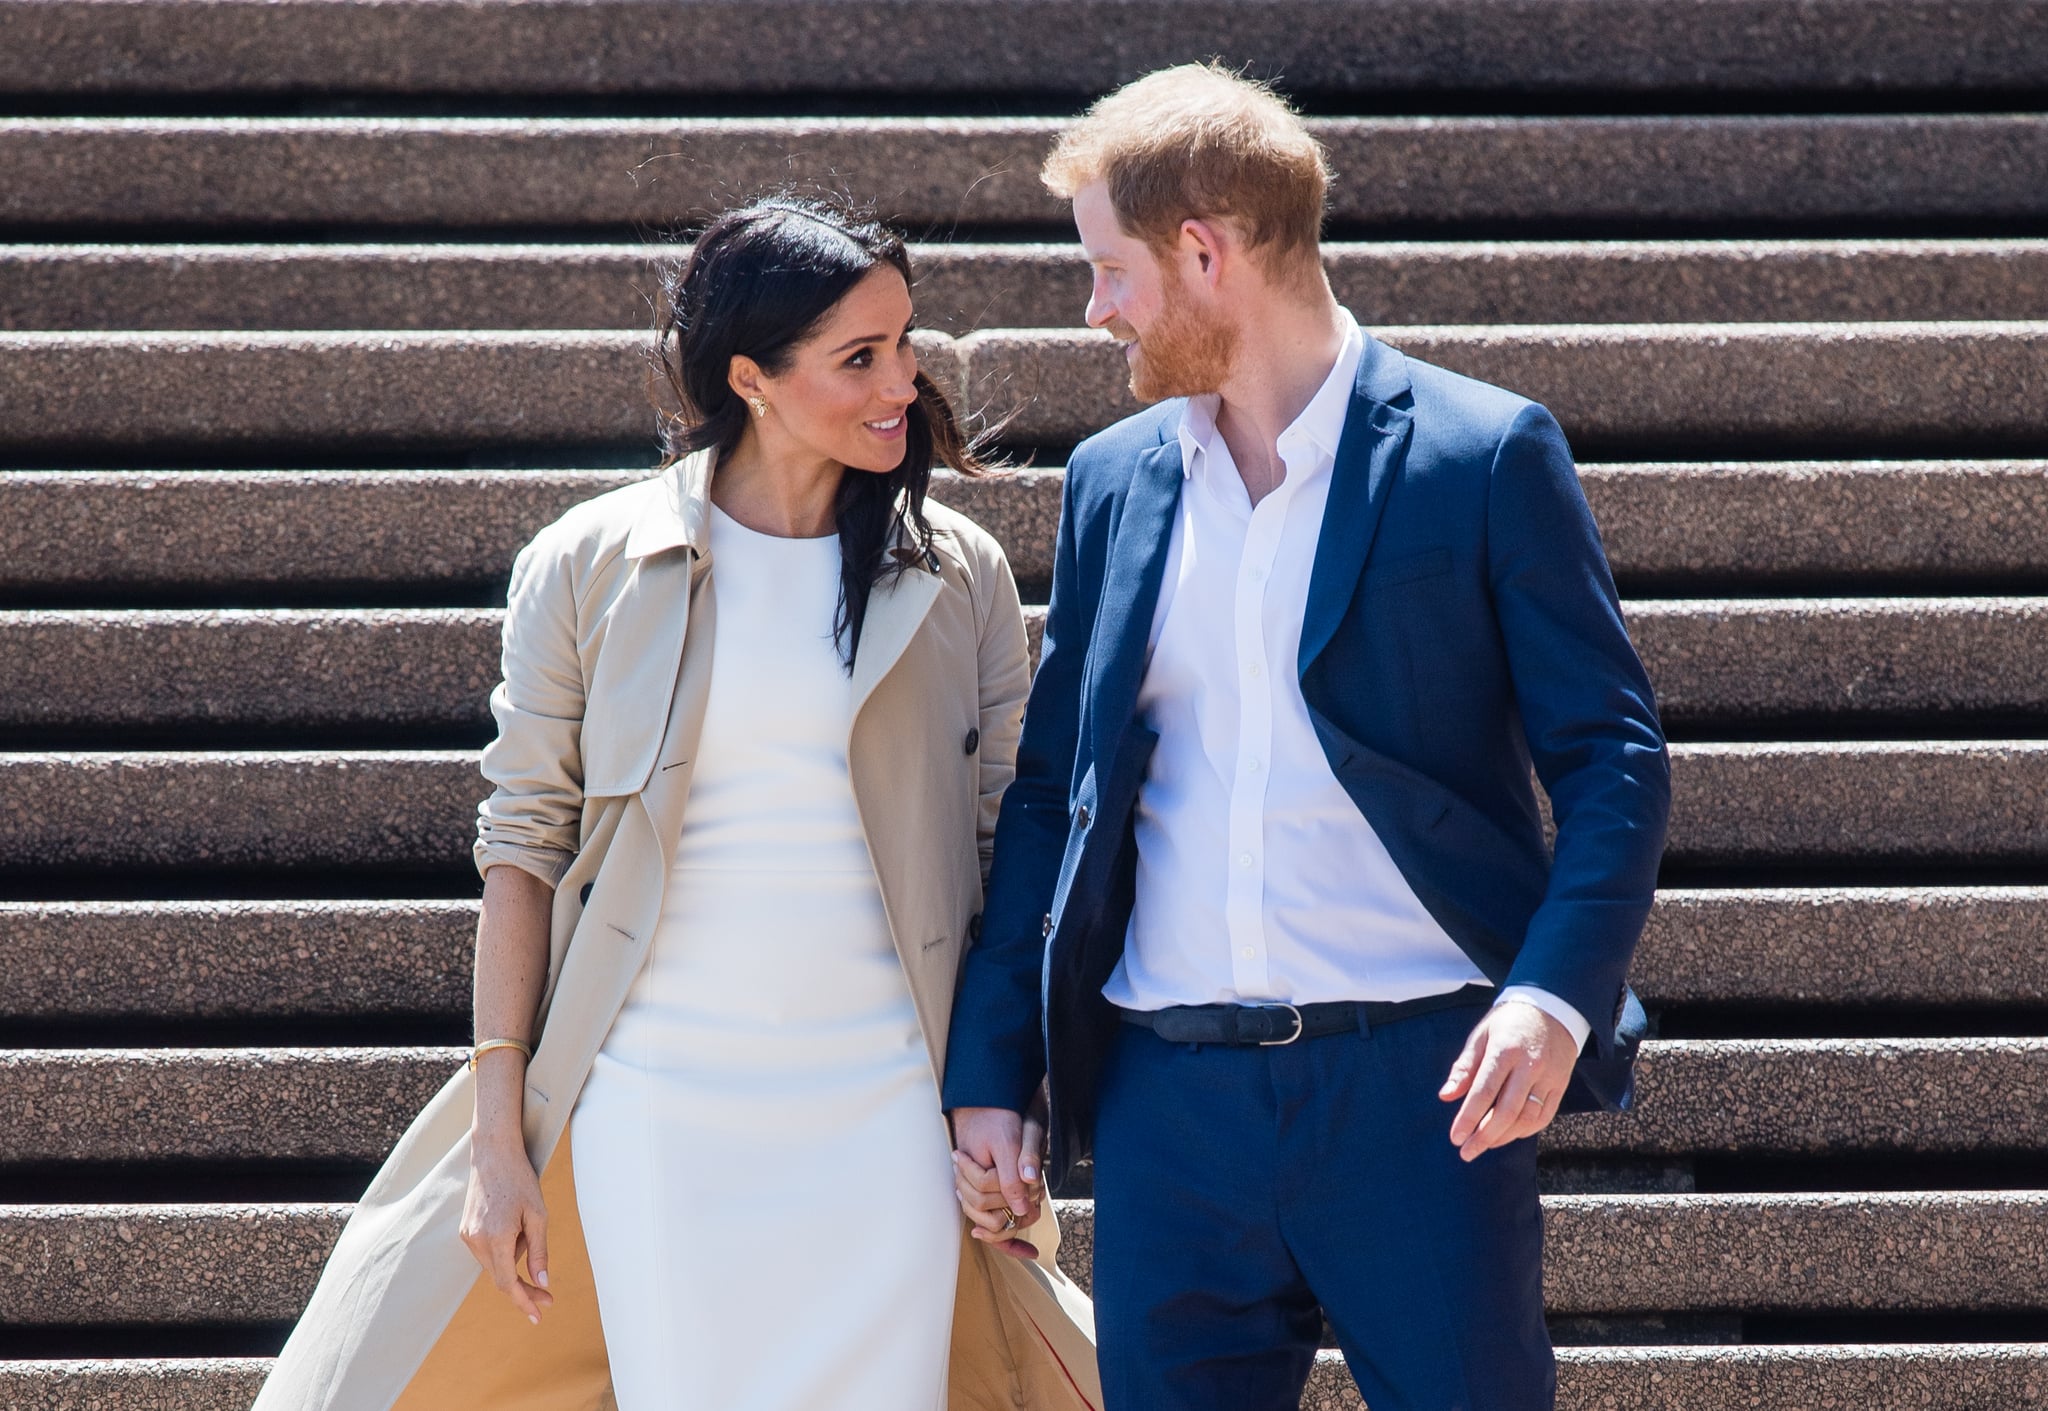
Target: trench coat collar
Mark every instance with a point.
(677, 517)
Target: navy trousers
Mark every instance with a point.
(1243, 1194)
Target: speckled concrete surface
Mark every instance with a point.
(271, 1104)
(257, 391)
(499, 173)
(1959, 1251)
(134, 1384)
(92, 1265)
(968, 286)
(105, 532)
(1666, 527)
(1621, 385)
(1729, 662)
(1605, 1254)
(615, 46)
(1816, 1097)
(1928, 1377)
(1845, 658)
(1971, 802)
(236, 959)
(1835, 946)
(1912, 946)
(1785, 1097)
(392, 808)
(1753, 523)
(392, 667)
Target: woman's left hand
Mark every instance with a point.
(980, 1192)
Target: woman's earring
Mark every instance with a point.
(760, 406)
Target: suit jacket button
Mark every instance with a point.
(1081, 817)
(584, 896)
(973, 740)
(1048, 925)
(974, 927)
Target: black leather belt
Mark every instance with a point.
(1269, 1025)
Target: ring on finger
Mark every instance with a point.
(1536, 1098)
(1009, 1219)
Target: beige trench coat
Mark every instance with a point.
(607, 656)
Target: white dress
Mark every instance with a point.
(762, 1170)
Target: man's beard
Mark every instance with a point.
(1185, 354)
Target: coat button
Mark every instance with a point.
(584, 895)
(973, 740)
(974, 927)
(1048, 924)
(1081, 815)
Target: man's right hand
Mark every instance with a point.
(997, 1154)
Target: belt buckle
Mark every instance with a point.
(1298, 1026)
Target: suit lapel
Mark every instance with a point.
(1369, 457)
(1130, 589)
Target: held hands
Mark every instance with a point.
(502, 1219)
(997, 1160)
(1512, 1075)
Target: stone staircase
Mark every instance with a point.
(313, 312)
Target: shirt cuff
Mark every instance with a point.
(1553, 1006)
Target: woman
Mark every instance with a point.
(756, 719)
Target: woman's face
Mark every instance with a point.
(843, 396)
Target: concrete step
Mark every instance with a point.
(1945, 1251)
(1928, 1376)
(1896, 947)
(1972, 803)
(76, 49)
(967, 286)
(1615, 386)
(1952, 1251)
(1676, 527)
(1714, 663)
(1580, 175)
(234, 960)
(1678, 387)
(1780, 1097)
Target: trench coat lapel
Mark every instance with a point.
(626, 710)
(897, 607)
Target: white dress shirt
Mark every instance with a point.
(1258, 879)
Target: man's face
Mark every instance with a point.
(1176, 343)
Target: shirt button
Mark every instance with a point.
(1249, 952)
(1252, 765)
(1244, 859)
(1256, 671)
(1258, 575)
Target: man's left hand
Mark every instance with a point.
(1511, 1074)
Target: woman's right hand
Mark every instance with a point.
(502, 1219)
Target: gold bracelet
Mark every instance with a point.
(488, 1044)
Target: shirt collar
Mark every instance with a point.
(1321, 421)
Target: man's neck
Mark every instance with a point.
(1281, 362)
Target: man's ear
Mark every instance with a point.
(1206, 246)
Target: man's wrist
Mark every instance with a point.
(1542, 999)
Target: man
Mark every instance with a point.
(1271, 890)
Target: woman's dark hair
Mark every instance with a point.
(758, 282)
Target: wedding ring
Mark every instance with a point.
(1009, 1219)
(1535, 1099)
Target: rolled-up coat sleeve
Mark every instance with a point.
(533, 817)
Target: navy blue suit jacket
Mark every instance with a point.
(1461, 625)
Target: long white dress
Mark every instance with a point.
(766, 1078)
